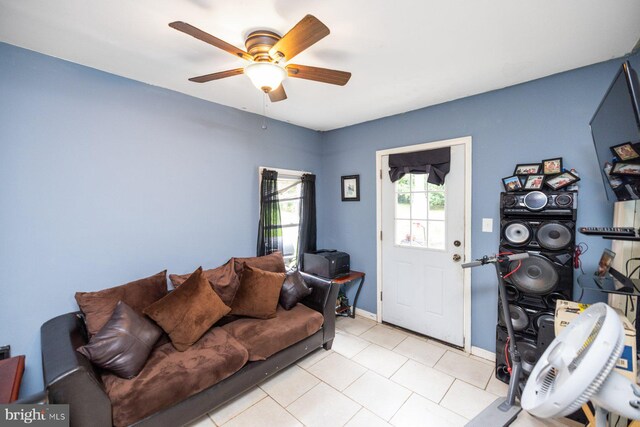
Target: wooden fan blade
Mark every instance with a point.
(305, 33)
(323, 75)
(208, 38)
(216, 76)
(278, 94)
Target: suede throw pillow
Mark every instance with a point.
(189, 311)
(273, 262)
(223, 280)
(294, 289)
(124, 343)
(258, 293)
(98, 307)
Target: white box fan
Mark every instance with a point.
(578, 366)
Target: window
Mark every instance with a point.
(419, 213)
(289, 195)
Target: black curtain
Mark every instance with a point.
(270, 225)
(308, 230)
(433, 162)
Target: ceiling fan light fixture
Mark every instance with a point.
(266, 76)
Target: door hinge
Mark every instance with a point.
(380, 295)
(380, 234)
(380, 173)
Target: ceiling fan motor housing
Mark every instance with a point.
(258, 44)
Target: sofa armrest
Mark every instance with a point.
(69, 377)
(323, 300)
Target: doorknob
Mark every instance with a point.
(456, 258)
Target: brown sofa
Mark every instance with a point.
(175, 387)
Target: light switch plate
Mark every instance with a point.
(487, 225)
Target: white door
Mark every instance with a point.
(422, 232)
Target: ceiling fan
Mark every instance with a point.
(268, 53)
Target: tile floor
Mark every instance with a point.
(375, 375)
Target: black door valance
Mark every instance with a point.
(433, 162)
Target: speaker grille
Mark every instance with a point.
(517, 233)
(554, 236)
(537, 275)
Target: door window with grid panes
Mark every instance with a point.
(419, 213)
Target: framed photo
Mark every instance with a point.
(614, 181)
(561, 180)
(512, 183)
(625, 151)
(552, 166)
(527, 169)
(534, 182)
(623, 168)
(351, 188)
(605, 262)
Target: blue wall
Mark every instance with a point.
(104, 180)
(537, 120)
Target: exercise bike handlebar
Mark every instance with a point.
(495, 258)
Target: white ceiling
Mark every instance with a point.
(404, 54)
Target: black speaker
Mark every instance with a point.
(539, 280)
(527, 347)
(553, 235)
(539, 204)
(526, 318)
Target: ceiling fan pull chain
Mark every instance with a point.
(264, 111)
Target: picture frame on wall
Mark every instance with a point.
(534, 182)
(527, 169)
(350, 189)
(552, 166)
(512, 183)
(625, 151)
(561, 180)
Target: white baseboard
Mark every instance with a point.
(485, 354)
(366, 314)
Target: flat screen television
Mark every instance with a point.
(615, 128)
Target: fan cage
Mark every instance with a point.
(582, 352)
(597, 382)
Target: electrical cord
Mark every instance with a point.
(626, 265)
(506, 355)
(580, 249)
(515, 269)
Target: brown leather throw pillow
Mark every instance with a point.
(98, 307)
(273, 262)
(189, 311)
(223, 279)
(124, 343)
(294, 289)
(258, 293)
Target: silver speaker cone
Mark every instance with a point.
(537, 275)
(554, 236)
(519, 317)
(517, 233)
(528, 353)
(535, 201)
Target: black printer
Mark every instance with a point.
(327, 263)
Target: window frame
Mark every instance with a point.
(285, 173)
(426, 220)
